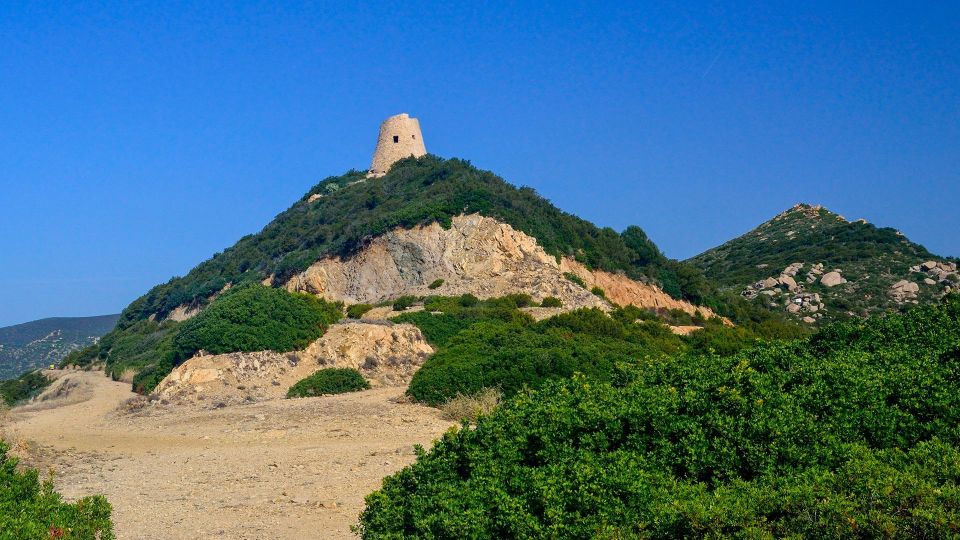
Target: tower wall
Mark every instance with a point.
(400, 137)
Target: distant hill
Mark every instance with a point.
(816, 265)
(35, 344)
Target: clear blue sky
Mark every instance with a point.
(138, 138)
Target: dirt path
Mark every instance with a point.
(278, 469)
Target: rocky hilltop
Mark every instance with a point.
(814, 264)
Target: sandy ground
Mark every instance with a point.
(273, 470)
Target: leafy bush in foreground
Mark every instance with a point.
(329, 381)
(31, 510)
(255, 318)
(850, 434)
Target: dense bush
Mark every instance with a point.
(551, 301)
(404, 302)
(255, 318)
(435, 284)
(357, 310)
(30, 509)
(329, 381)
(23, 387)
(444, 316)
(851, 433)
(511, 355)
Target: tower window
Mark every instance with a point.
(413, 136)
(396, 138)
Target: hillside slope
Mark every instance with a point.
(814, 264)
(31, 345)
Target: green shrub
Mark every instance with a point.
(435, 284)
(575, 278)
(30, 509)
(255, 318)
(551, 302)
(404, 302)
(357, 310)
(23, 387)
(329, 381)
(511, 355)
(851, 433)
(597, 291)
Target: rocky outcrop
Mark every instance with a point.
(477, 255)
(386, 354)
(904, 290)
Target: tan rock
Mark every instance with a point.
(832, 279)
(793, 308)
(788, 282)
(929, 281)
(769, 283)
(929, 265)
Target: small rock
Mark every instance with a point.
(929, 281)
(809, 320)
(793, 308)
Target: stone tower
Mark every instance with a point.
(399, 138)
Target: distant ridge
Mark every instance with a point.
(34, 344)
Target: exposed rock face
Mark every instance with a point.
(387, 354)
(832, 279)
(477, 255)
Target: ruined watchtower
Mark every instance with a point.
(399, 138)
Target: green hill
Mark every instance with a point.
(338, 215)
(35, 344)
(806, 243)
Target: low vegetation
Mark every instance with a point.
(551, 302)
(329, 381)
(357, 310)
(848, 433)
(22, 388)
(31, 509)
(469, 408)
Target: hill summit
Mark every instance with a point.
(815, 264)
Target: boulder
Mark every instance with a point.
(809, 320)
(793, 308)
(832, 279)
(769, 283)
(788, 282)
(929, 281)
(929, 265)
